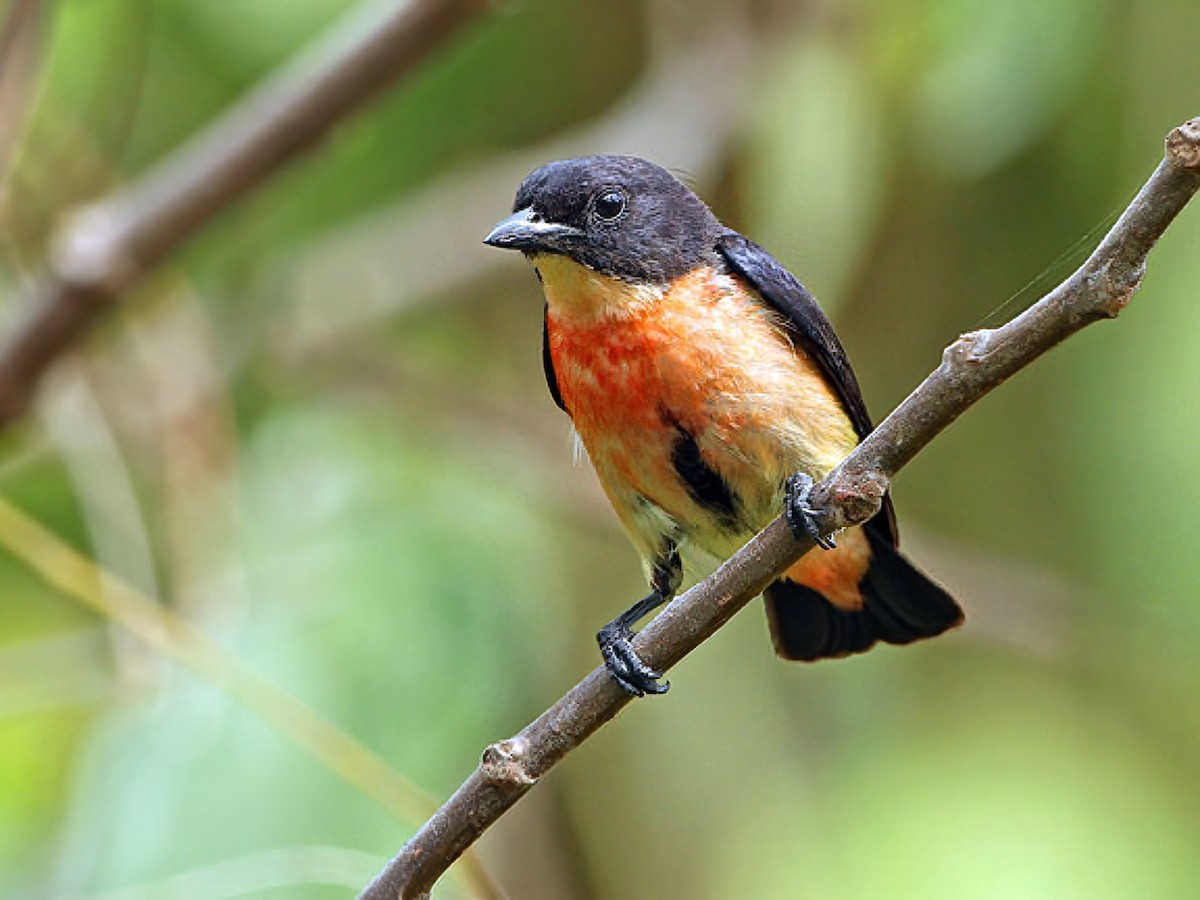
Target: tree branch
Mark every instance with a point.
(108, 246)
(851, 494)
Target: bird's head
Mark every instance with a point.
(619, 216)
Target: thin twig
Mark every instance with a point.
(106, 247)
(851, 494)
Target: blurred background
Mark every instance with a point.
(321, 435)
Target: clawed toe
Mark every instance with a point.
(800, 517)
(627, 668)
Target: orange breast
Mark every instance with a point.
(708, 357)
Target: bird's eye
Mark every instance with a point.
(610, 205)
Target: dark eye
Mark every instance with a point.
(610, 205)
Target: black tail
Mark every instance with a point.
(900, 605)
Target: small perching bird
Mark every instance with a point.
(709, 390)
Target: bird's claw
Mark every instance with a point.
(800, 517)
(624, 665)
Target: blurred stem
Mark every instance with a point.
(19, 34)
(851, 494)
(77, 576)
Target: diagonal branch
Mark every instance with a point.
(972, 366)
(108, 246)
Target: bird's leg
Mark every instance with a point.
(624, 665)
(799, 516)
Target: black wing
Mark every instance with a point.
(809, 329)
(548, 365)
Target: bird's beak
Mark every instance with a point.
(526, 230)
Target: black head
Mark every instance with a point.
(619, 215)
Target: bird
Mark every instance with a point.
(709, 391)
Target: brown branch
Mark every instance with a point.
(851, 494)
(108, 246)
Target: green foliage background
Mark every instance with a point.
(322, 435)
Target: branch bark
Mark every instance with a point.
(105, 248)
(972, 366)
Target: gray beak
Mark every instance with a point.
(526, 230)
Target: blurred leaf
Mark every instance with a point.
(1134, 437)
(814, 171)
(1006, 793)
(996, 76)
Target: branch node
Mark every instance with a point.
(1183, 145)
(1114, 290)
(970, 348)
(504, 763)
(850, 499)
(89, 254)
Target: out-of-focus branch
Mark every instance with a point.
(851, 494)
(106, 247)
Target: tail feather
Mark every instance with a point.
(900, 605)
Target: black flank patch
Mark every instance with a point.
(548, 362)
(703, 483)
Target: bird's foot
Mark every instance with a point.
(624, 665)
(800, 517)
